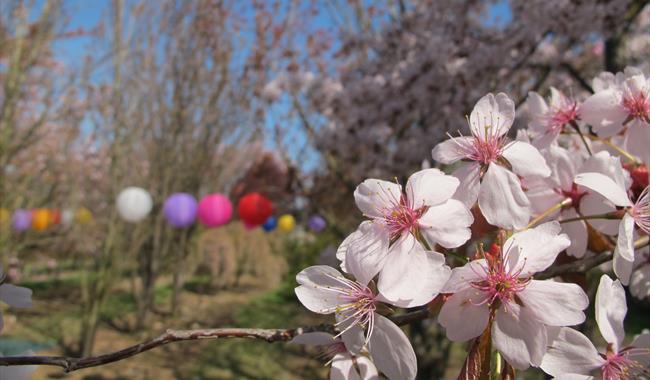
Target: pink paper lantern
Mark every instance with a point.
(215, 210)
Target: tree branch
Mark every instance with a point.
(70, 364)
(583, 265)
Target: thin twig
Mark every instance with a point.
(70, 364)
(583, 265)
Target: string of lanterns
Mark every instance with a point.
(181, 210)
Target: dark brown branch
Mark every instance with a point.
(70, 364)
(579, 266)
(583, 265)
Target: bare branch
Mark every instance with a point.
(70, 364)
(583, 265)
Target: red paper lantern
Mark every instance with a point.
(56, 216)
(254, 209)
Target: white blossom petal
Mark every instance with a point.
(430, 187)
(474, 318)
(535, 249)
(610, 311)
(367, 253)
(519, 337)
(577, 233)
(447, 224)
(392, 351)
(468, 174)
(492, 114)
(425, 270)
(555, 303)
(452, 150)
(315, 290)
(604, 111)
(374, 197)
(526, 160)
(343, 368)
(604, 186)
(462, 277)
(570, 352)
(501, 199)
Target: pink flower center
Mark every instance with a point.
(359, 305)
(402, 218)
(485, 150)
(565, 114)
(641, 211)
(621, 365)
(637, 106)
(574, 194)
(499, 284)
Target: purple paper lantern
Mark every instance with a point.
(316, 223)
(180, 210)
(21, 220)
(215, 210)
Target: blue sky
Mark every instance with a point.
(87, 14)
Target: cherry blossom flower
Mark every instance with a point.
(490, 176)
(500, 292)
(345, 365)
(560, 187)
(14, 296)
(622, 101)
(637, 213)
(325, 290)
(571, 353)
(548, 120)
(390, 244)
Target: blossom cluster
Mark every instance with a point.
(576, 176)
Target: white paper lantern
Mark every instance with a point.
(134, 204)
(67, 217)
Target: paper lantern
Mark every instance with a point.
(21, 220)
(5, 217)
(41, 219)
(270, 224)
(316, 223)
(83, 216)
(286, 223)
(55, 216)
(180, 210)
(67, 217)
(215, 210)
(134, 204)
(254, 209)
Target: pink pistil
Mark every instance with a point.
(499, 284)
(402, 218)
(637, 106)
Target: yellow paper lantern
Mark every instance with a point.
(286, 223)
(5, 217)
(83, 216)
(41, 219)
